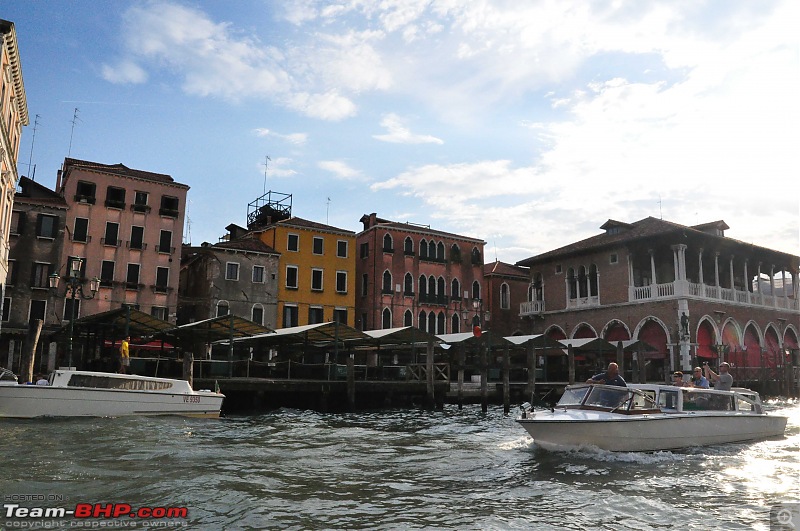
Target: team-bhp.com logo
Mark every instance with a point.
(93, 515)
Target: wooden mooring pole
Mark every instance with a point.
(29, 350)
(506, 381)
(188, 367)
(431, 400)
(531, 389)
(351, 384)
(461, 361)
(484, 378)
(571, 361)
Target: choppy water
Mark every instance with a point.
(393, 469)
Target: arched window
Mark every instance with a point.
(593, 280)
(440, 322)
(386, 320)
(423, 288)
(432, 288)
(582, 282)
(387, 282)
(408, 246)
(432, 250)
(408, 284)
(431, 323)
(505, 297)
(455, 324)
(423, 248)
(257, 314)
(455, 289)
(387, 243)
(408, 318)
(476, 257)
(422, 321)
(476, 290)
(455, 253)
(440, 290)
(440, 251)
(222, 308)
(572, 287)
(536, 292)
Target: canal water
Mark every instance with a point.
(395, 469)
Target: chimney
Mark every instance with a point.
(369, 221)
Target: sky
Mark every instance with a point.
(526, 124)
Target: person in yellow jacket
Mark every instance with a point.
(124, 356)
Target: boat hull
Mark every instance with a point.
(30, 401)
(648, 433)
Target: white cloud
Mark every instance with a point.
(124, 72)
(297, 139)
(328, 106)
(279, 167)
(399, 134)
(341, 170)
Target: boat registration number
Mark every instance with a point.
(191, 399)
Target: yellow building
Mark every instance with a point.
(317, 272)
(13, 115)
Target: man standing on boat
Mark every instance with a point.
(722, 381)
(124, 356)
(610, 377)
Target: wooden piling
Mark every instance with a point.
(642, 367)
(506, 381)
(430, 398)
(461, 361)
(29, 351)
(484, 378)
(531, 354)
(621, 358)
(571, 361)
(188, 367)
(351, 384)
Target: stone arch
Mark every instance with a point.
(707, 337)
(655, 332)
(583, 331)
(555, 332)
(613, 330)
(753, 340)
(773, 344)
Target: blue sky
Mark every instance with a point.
(527, 124)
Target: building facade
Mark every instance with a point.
(411, 275)
(36, 235)
(238, 277)
(316, 277)
(506, 287)
(690, 292)
(128, 226)
(13, 116)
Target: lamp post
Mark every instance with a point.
(477, 305)
(74, 289)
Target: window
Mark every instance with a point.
(364, 285)
(315, 315)
(423, 288)
(37, 310)
(387, 244)
(107, 273)
(559, 270)
(422, 321)
(17, 222)
(258, 274)
(165, 242)
(11, 278)
(223, 308)
(505, 297)
(440, 251)
(341, 248)
(132, 278)
(85, 192)
(432, 250)
(477, 259)
(68, 309)
(159, 312)
(46, 226)
(440, 323)
(137, 238)
(363, 322)
(289, 316)
(365, 250)
(455, 325)
(291, 277)
(386, 319)
(317, 245)
(387, 283)
(455, 254)
(408, 246)
(257, 315)
(408, 285)
(169, 206)
(316, 279)
(140, 202)
(614, 258)
(476, 290)
(111, 234)
(80, 230)
(231, 271)
(162, 279)
(6, 309)
(40, 275)
(293, 242)
(341, 282)
(340, 315)
(408, 318)
(455, 289)
(423, 249)
(115, 197)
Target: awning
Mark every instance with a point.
(116, 324)
(219, 328)
(315, 333)
(589, 345)
(538, 341)
(406, 335)
(468, 338)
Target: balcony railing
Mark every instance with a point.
(531, 308)
(704, 291)
(583, 302)
(434, 299)
(140, 208)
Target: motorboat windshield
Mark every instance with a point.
(607, 396)
(573, 396)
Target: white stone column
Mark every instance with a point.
(652, 266)
(675, 265)
(716, 272)
(733, 283)
(700, 260)
(785, 294)
(747, 284)
(772, 284)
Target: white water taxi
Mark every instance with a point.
(72, 393)
(650, 417)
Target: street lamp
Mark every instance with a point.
(74, 288)
(477, 306)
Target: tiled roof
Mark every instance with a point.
(504, 269)
(419, 229)
(246, 244)
(306, 224)
(121, 170)
(38, 194)
(648, 227)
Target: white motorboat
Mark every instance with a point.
(72, 393)
(650, 417)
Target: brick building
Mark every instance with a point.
(506, 287)
(412, 275)
(691, 292)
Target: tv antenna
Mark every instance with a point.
(33, 141)
(660, 213)
(327, 211)
(75, 120)
(266, 167)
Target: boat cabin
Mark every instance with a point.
(127, 382)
